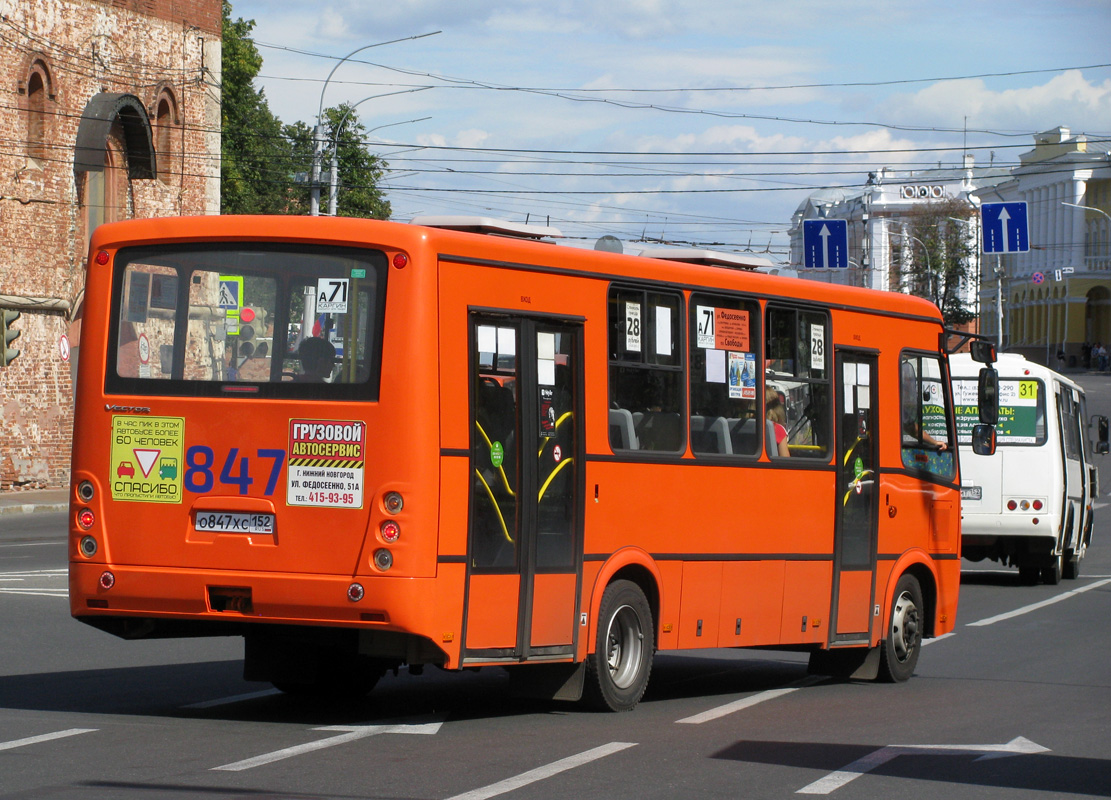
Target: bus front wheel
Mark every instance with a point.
(901, 645)
(618, 669)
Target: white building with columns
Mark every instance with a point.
(880, 243)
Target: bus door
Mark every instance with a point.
(525, 543)
(857, 506)
(1074, 490)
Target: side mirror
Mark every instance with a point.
(987, 396)
(1101, 434)
(983, 440)
(982, 351)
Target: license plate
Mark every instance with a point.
(234, 522)
(972, 493)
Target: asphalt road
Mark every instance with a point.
(1015, 703)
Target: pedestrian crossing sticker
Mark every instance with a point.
(231, 291)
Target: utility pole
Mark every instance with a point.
(318, 131)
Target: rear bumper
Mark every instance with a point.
(229, 600)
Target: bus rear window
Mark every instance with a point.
(1021, 411)
(256, 320)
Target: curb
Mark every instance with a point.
(33, 508)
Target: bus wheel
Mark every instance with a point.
(899, 651)
(1070, 570)
(1028, 574)
(1052, 573)
(618, 669)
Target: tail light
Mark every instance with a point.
(390, 531)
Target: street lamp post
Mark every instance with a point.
(318, 131)
(333, 181)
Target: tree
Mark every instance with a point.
(254, 154)
(359, 171)
(262, 156)
(938, 262)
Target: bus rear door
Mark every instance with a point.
(854, 554)
(525, 542)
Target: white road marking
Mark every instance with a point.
(8, 579)
(46, 737)
(235, 698)
(835, 780)
(37, 592)
(937, 638)
(747, 702)
(352, 732)
(541, 773)
(1041, 604)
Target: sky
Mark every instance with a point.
(698, 123)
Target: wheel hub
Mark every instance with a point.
(904, 626)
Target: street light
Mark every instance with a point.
(1088, 208)
(317, 143)
(333, 180)
(974, 233)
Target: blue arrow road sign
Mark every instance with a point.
(1005, 228)
(825, 244)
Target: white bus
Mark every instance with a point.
(1030, 504)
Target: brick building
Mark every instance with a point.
(109, 109)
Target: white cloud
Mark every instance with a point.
(1065, 99)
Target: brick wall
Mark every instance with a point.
(151, 49)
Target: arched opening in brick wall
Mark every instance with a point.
(167, 134)
(114, 146)
(38, 91)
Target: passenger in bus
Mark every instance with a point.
(911, 400)
(777, 415)
(318, 356)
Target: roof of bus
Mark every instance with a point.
(1008, 365)
(491, 248)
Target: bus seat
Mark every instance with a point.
(622, 431)
(719, 433)
(711, 436)
(660, 430)
(742, 435)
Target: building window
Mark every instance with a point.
(39, 93)
(167, 134)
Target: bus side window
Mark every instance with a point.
(646, 369)
(724, 350)
(796, 363)
(925, 416)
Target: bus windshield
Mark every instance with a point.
(259, 320)
(1021, 411)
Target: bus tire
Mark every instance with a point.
(618, 669)
(903, 642)
(1052, 574)
(1028, 574)
(1071, 568)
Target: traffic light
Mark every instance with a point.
(8, 354)
(252, 333)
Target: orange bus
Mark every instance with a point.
(362, 445)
